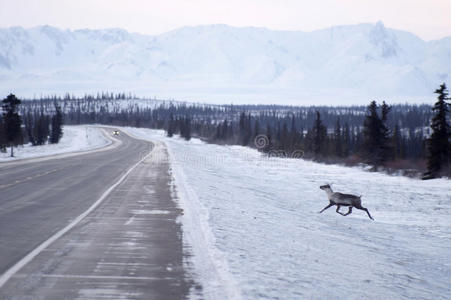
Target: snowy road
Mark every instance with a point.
(127, 246)
(257, 234)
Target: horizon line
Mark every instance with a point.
(380, 22)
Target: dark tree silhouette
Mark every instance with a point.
(239, 124)
(171, 125)
(57, 125)
(375, 135)
(338, 139)
(397, 143)
(438, 143)
(319, 135)
(12, 121)
(385, 133)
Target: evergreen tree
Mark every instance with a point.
(256, 128)
(268, 147)
(245, 130)
(29, 122)
(385, 133)
(57, 125)
(181, 125)
(346, 141)
(218, 132)
(255, 133)
(397, 143)
(284, 138)
(41, 129)
(439, 143)
(249, 134)
(171, 125)
(295, 138)
(375, 136)
(278, 137)
(226, 130)
(338, 139)
(319, 136)
(12, 121)
(187, 130)
(2, 137)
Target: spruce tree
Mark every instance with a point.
(385, 133)
(375, 136)
(226, 130)
(438, 143)
(30, 128)
(57, 125)
(171, 125)
(256, 128)
(182, 126)
(294, 138)
(319, 135)
(284, 138)
(397, 143)
(338, 139)
(187, 133)
(2, 137)
(12, 121)
(268, 134)
(346, 141)
(218, 132)
(41, 128)
(245, 130)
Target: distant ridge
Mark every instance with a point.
(220, 63)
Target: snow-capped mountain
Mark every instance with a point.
(345, 64)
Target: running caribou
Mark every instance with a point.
(340, 200)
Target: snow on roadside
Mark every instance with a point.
(262, 232)
(75, 138)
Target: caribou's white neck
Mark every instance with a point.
(329, 193)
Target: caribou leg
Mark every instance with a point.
(365, 209)
(330, 204)
(349, 211)
(338, 210)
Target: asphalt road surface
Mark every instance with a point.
(128, 247)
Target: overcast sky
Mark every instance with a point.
(429, 19)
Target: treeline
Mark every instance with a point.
(34, 126)
(98, 96)
(41, 128)
(380, 135)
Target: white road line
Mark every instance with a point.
(130, 220)
(29, 257)
(122, 264)
(69, 276)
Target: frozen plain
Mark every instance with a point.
(255, 231)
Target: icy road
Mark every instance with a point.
(94, 225)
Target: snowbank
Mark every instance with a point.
(75, 138)
(255, 220)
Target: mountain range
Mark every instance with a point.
(350, 64)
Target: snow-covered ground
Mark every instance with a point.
(75, 138)
(253, 226)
